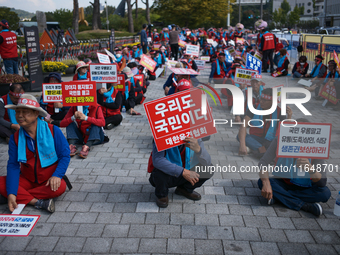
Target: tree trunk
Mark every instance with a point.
(147, 10)
(130, 18)
(95, 16)
(136, 14)
(75, 16)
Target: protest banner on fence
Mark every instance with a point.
(232, 51)
(79, 93)
(244, 76)
(103, 73)
(253, 63)
(329, 93)
(52, 93)
(148, 63)
(104, 59)
(120, 86)
(193, 50)
(177, 116)
(200, 64)
(305, 140)
(17, 225)
(205, 58)
(184, 71)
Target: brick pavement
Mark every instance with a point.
(111, 208)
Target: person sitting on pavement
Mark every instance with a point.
(300, 68)
(170, 170)
(84, 127)
(8, 122)
(38, 159)
(129, 94)
(259, 138)
(191, 63)
(294, 191)
(56, 110)
(219, 69)
(169, 85)
(82, 73)
(318, 73)
(110, 100)
(282, 66)
(331, 75)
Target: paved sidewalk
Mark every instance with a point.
(111, 209)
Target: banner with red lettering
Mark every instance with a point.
(174, 117)
(78, 93)
(52, 93)
(17, 225)
(148, 63)
(120, 85)
(328, 92)
(184, 71)
(103, 73)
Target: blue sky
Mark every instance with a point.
(51, 5)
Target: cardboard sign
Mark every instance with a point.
(181, 43)
(305, 140)
(258, 55)
(110, 55)
(140, 78)
(104, 73)
(253, 63)
(177, 116)
(159, 71)
(329, 93)
(200, 64)
(231, 51)
(52, 93)
(243, 76)
(120, 85)
(193, 50)
(104, 59)
(17, 225)
(157, 46)
(183, 71)
(277, 73)
(206, 58)
(336, 59)
(148, 63)
(78, 93)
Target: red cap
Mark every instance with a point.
(183, 85)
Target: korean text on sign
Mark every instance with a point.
(305, 140)
(175, 117)
(77, 93)
(328, 92)
(120, 86)
(103, 73)
(193, 50)
(17, 225)
(148, 63)
(253, 63)
(52, 93)
(243, 76)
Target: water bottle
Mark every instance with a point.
(337, 206)
(123, 112)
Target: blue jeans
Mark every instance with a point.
(294, 197)
(254, 142)
(297, 75)
(96, 134)
(11, 66)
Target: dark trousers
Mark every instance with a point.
(139, 98)
(294, 197)
(145, 48)
(174, 50)
(162, 182)
(58, 117)
(6, 132)
(268, 54)
(114, 120)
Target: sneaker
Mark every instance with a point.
(46, 204)
(84, 152)
(3, 200)
(315, 208)
(109, 126)
(73, 150)
(106, 139)
(271, 201)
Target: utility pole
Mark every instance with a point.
(325, 8)
(107, 19)
(239, 11)
(228, 19)
(261, 11)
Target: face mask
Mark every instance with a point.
(118, 55)
(134, 70)
(302, 63)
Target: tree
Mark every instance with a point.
(147, 10)
(96, 15)
(294, 16)
(75, 16)
(11, 17)
(64, 17)
(285, 7)
(130, 18)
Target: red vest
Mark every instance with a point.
(32, 169)
(110, 112)
(304, 66)
(6, 117)
(269, 43)
(8, 48)
(138, 78)
(222, 72)
(93, 112)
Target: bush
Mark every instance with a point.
(49, 66)
(70, 62)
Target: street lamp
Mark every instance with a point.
(107, 20)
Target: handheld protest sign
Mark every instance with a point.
(17, 225)
(104, 59)
(210, 41)
(184, 71)
(103, 73)
(253, 63)
(200, 64)
(120, 86)
(193, 50)
(304, 140)
(336, 58)
(279, 87)
(239, 40)
(258, 55)
(329, 93)
(110, 55)
(78, 93)
(181, 43)
(232, 51)
(177, 116)
(157, 46)
(205, 58)
(52, 93)
(244, 76)
(148, 63)
(171, 63)
(276, 74)
(140, 78)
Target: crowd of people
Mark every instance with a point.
(39, 153)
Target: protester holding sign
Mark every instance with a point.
(8, 48)
(38, 159)
(8, 122)
(260, 137)
(301, 188)
(300, 68)
(282, 66)
(331, 75)
(130, 93)
(190, 62)
(319, 71)
(219, 69)
(82, 72)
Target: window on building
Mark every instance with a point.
(303, 4)
(299, 5)
(309, 3)
(308, 11)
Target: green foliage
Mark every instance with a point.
(23, 14)
(294, 16)
(98, 35)
(64, 17)
(11, 17)
(285, 7)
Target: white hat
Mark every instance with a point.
(30, 102)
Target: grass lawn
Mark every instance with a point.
(98, 34)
